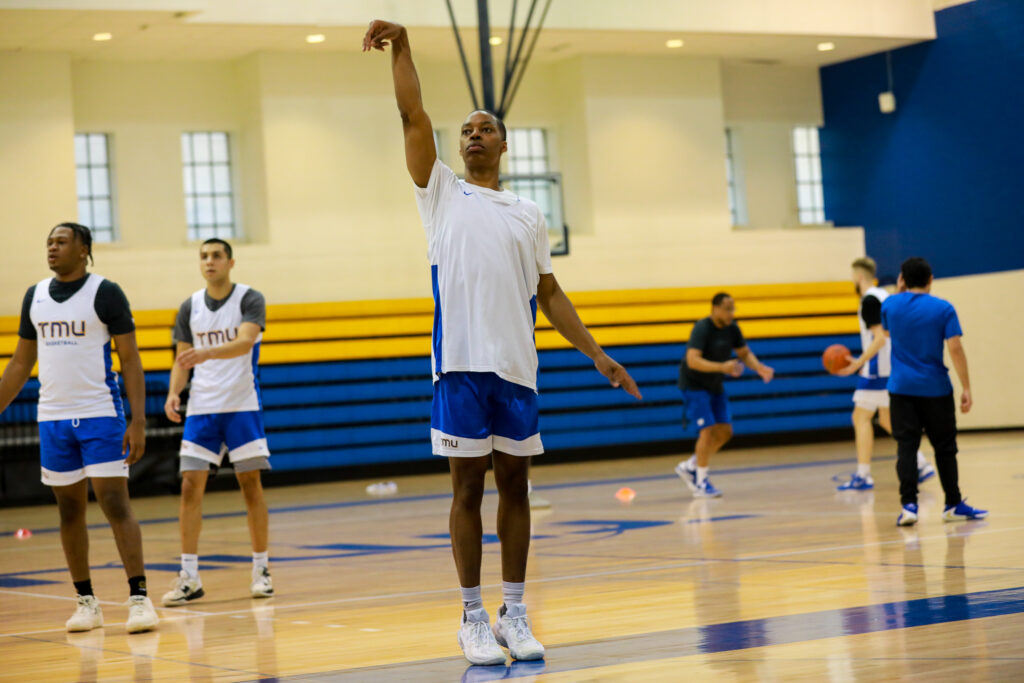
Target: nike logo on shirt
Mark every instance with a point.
(468, 194)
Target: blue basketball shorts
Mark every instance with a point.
(705, 409)
(475, 413)
(71, 450)
(210, 436)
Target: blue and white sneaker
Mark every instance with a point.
(687, 475)
(908, 515)
(962, 512)
(706, 489)
(925, 473)
(857, 483)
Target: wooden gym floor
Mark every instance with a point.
(782, 579)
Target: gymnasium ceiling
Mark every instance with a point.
(214, 33)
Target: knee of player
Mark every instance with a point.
(249, 482)
(191, 489)
(468, 494)
(70, 509)
(724, 432)
(115, 505)
(514, 486)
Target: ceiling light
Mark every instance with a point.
(495, 40)
(102, 36)
(674, 42)
(316, 38)
(826, 47)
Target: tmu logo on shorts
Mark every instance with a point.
(450, 443)
(217, 337)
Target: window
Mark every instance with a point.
(736, 207)
(809, 196)
(95, 194)
(209, 201)
(529, 175)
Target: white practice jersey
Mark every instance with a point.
(881, 364)
(76, 376)
(222, 385)
(487, 251)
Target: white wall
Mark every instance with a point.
(762, 104)
(37, 162)
(327, 207)
(992, 318)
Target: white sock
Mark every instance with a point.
(471, 599)
(691, 462)
(260, 560)
(512, 593)
(190, 565)
(864, 470)
(921, 462)
(702, 475)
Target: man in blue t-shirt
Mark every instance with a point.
(921, 394)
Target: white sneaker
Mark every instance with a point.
(262, 586)
(87, 616)
(512, 630)
(477, 641)
(687, 474)
(184, 588)
(142, 615)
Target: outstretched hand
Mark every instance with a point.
(381, 34)
(617, 375)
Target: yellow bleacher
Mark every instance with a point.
(315, 332)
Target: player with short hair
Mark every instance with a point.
(218, 333)
(707, 361)
(491, 268)
(68, 322)
(874, 366)
(920, 393)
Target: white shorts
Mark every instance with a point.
(871, 399)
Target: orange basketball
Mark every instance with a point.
(835, 358)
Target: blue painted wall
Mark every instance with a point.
(943, 176)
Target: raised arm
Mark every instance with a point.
(560, 311)
(959, 358)
(17, 371)
(134, 444)
(420, 152)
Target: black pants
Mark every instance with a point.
(936, 417)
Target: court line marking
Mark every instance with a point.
(598, 574)
(706, 641)
(540, 487)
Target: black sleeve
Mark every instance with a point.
(113, 309)
(871, 311)
(738, 342)
(698, 337)
(254, 309)
(26, 330)
(183, 325)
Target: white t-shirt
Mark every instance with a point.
(881, 364)
(76, 379)
(222, 385)
(487, 251)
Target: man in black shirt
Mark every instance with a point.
(708, 359)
